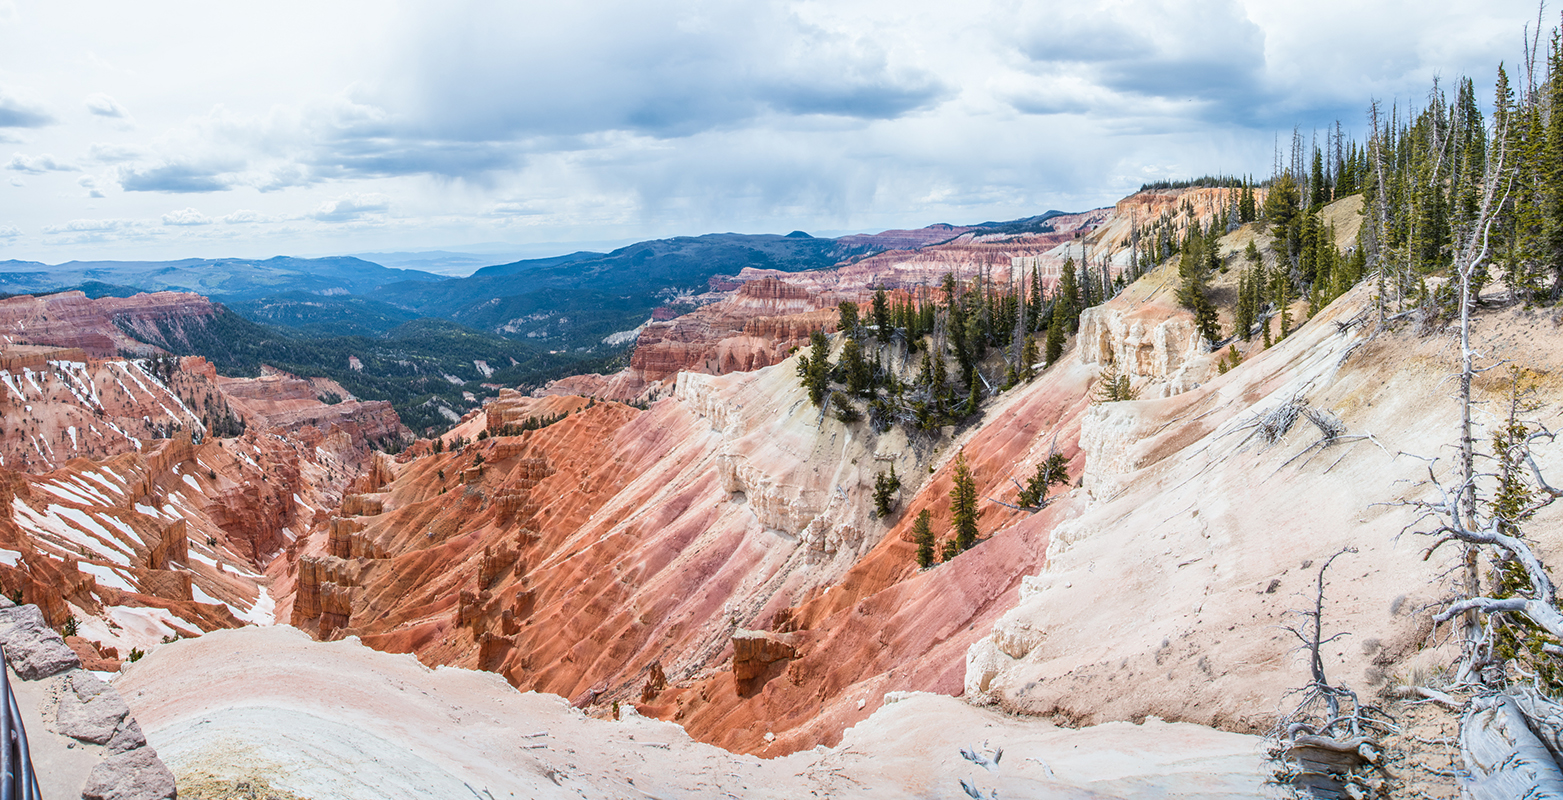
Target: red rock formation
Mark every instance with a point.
(755, 651)
(907, 239)
(773, 312)
(279, 401)
(142, 537)
(70, 319)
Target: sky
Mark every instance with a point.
(160, 130)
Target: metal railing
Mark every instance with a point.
(17, 779)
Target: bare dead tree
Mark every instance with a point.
(1379, 233)
(1469, 259)
(1328, 745)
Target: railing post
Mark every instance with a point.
(17, 779)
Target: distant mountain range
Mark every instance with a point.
(226, 279)
(540, 317)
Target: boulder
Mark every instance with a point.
(33, 649)
(132, 775)
(127, 736)
(90, 710)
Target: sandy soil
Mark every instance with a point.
(267, 712)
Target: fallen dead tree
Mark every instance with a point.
(1504, 758)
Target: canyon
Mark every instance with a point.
(687, 551)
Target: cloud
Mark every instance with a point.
(89, 226)
(104, 106)
(471, 100)
(652, 70)
(9, 231)
(38, 165)
(527, 208)
(185, 217)
(1148, 59)
(173, 178)
(351, 207)
(378, 157)
(244, 215)
(15, 113)
(112, 153)
(98, 231)
(90, 184)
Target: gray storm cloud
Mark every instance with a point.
(482, 122)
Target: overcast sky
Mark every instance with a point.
(178, 129)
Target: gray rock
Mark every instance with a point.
(132, 775)
(90, 710)
(127, 737)
(33, 648)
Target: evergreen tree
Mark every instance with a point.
(1028, 358)
(1053, 470)
(963, 505)
(882, 322)
(814, 368)
(922, 533)
(1243, 321)
(1068, 295)
(848, 322)
(1281, 203)
(1283, 302)
(885, 489)
(1193, 289)
(1037, 323)
(854, 369)
(1055, 336)
(1318, 189)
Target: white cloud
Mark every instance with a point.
(243, 216)
(16, 112)
(186, 216)
(37, 165)
(90, 184)
(104, 106)
(351, 207)
(9, 232)
(112, 153)
(89, 226)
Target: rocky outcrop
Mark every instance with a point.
(94, 658)
(136, 774)
(89, 710)
(131, 515)
(74, 704)
(753, 328)
(1156, 344)
(283, 402)
(755, 651)
(70, 319)
(32, 648)
(323, 594)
